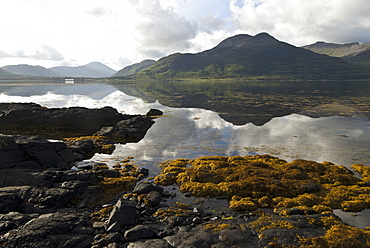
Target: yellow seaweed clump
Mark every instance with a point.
(364, 171)
(266, 181)
(271, 222)
(113, 185)
(238, 203)
(170, 170)
(101, 145)
(217, 227)
(339, 235)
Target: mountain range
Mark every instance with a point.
(91, 70)
(239, 57)
(253, 57)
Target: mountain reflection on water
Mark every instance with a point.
(258, 102)
(190, 132)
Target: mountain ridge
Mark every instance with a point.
(259, 56)
(92, 70)
(30, 70)
(345, 50)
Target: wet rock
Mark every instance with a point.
(110, 238)
(146, 187)
(237, 238)
(139, 232)
(153, 198)
(21, 152)
(129, 130)
(143, 171)
(123, 213)
(152, 243)
(33, 118)
(49, 230)
(154, 112)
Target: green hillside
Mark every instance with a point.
(132, 69)
(253, 57)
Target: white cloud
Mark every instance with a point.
(163, 29)
(305, 21)
(116, 32)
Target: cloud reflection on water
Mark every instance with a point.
(193, 132)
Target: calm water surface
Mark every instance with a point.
(193, 127)
(312, 120)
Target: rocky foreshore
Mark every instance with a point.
(50, 197)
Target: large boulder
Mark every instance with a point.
(32, 118)
(123, 213)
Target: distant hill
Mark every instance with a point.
(91, 70)
(6, 74)
(30, 70)
(260, 56)
(351, 52)
(347, 50)
(135, 68)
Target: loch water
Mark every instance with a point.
(320, 121)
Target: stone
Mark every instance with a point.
(154, 112)
(110, 238)
(115, 227)
(124, 213)
(139, 232)
(146, 187)
(152, 243)
(153, 198)
(9, 202)
(143, 171)
(129, 130)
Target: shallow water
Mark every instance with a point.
(191, 132)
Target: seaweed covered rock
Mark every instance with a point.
(266, 181)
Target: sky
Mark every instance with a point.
(118, 33)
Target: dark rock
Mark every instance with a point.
(130, 130)
(9, 202)
(49, 230)
(109, 173)
(310, 188)
(21, 152)
(237, 237)
(187, 194)
(33, 118)
(175, 220)
(153, 198)
(139, 232)
(154, 112)
(82, 149)
(123, 213)
(152, 243)
(146, 187)
(143, 171)
(115, 227)
(110, 238)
